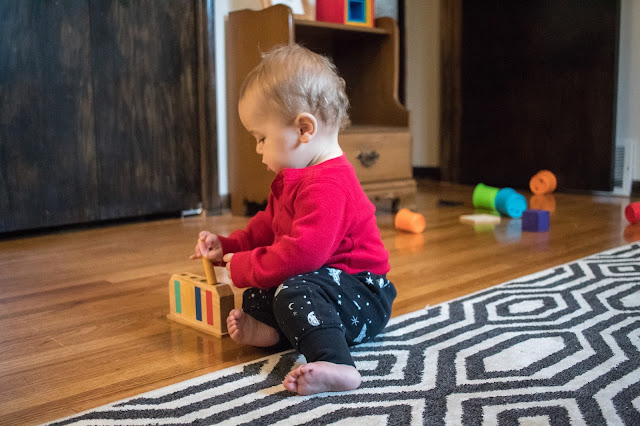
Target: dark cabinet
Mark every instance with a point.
(101, 110)
(529, 86)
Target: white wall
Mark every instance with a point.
(222, 9)
(422, 53)
(628, 114)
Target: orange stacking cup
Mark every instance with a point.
(407, 220)
(543, 182)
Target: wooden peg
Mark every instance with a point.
(209, 271)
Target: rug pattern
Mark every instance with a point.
(561, 346)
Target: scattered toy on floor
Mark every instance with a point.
(506, 200)
(543, 182)
(632, 212)
(535, 220)
(479, 219)
(484, 196)
(510, 203)
(409, 221)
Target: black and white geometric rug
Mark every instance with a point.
(557, 347)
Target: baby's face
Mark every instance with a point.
(276, 141)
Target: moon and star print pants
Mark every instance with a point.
(322, 313)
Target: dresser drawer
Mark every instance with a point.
(378, 156)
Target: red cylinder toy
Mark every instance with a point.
(632, 212)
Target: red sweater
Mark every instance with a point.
(316, 216)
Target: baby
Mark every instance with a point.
(313, 260)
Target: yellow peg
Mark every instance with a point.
(209, 271)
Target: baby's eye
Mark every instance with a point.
(261, 140)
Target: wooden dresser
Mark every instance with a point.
(378, 142)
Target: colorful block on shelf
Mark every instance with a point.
(351, 12)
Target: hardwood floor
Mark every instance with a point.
(83, 313)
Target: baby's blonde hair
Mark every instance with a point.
(294, 79)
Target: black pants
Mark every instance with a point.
(323, 312)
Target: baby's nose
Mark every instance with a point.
(259, 148)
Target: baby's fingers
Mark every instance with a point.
(197, 254)
(202, 248)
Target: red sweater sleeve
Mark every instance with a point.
(317, 229)
(258, 233)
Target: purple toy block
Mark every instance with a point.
(535, 220)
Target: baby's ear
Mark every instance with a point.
(307, 126)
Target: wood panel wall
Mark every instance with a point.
(106, 110)
(48, 165)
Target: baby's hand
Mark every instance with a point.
(208, 246)
(227, 258)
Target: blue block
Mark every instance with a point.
(535, 220)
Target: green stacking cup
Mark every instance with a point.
(484, 196)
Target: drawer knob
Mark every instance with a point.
(369, 158)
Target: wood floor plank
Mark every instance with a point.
(83, 313)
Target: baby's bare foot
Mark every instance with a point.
(321, 376)
(246, 330)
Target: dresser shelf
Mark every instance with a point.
(378, 142)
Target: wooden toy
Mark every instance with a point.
(543, 182)
(632, 212)
(535, 221)
(351, 12)
(407, 220)
(480, 219)
(201, 302)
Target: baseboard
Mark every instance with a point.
(222, 206)
(427, 173)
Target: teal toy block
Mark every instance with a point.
(510, 203)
